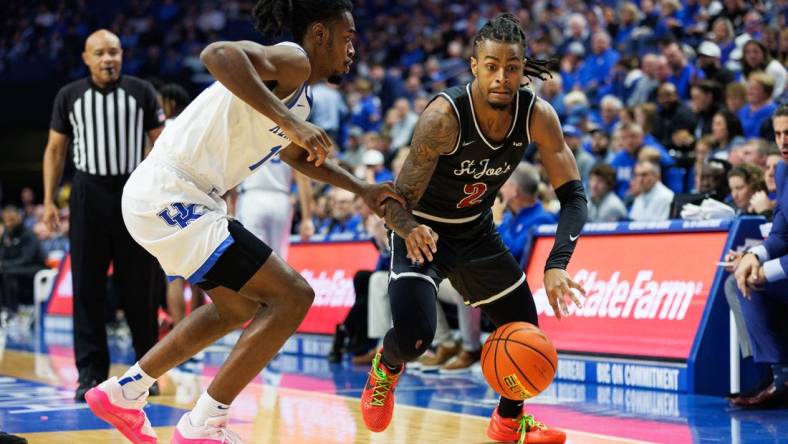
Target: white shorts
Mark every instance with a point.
(180, 222)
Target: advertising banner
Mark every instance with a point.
(645, 292)
(329, 268)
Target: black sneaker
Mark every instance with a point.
(6, 438)
(83, 388)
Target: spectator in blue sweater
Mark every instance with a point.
(683, 73)
(624, 162)
(367, 113)
(572, 67)
(609, 109)
(576, 32)
(343, 218)
(597, 68)
(628, 22)
(723, 35)
(552, 90)
(520, 195)
(669, 24)
(759, 107)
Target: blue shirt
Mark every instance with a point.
(623, 35)
(515, 229)
(558, 105)
(608, 127)
(570, 79)
(684, 79)
(353, 225)
(367, 114)
(624, 164)
(598, 68)
(384, 175)
(751, 121)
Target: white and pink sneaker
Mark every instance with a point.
(214, 431)
(107, 402)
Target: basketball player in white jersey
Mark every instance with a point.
(172, 207)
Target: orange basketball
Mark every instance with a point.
(518, 360)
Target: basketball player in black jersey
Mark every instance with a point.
(466, 144)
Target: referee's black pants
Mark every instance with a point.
(98, 236)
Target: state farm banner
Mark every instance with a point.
(329, 268)
(645, 292)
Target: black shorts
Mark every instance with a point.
(471, 255)
(239, 262)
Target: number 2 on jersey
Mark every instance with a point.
(474, 193)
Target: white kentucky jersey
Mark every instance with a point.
(219, 140)
(277, 176)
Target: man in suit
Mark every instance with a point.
(761, 278)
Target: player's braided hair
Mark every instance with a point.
(506, 28)
(275, 17)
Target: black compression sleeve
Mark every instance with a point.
(574, 209)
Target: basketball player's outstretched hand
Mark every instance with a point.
(375, 196)
(421, 243)
(310, 137)
(558, 286)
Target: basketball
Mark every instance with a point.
(518, 360)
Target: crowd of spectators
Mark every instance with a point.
(663, 102)
(679, 84)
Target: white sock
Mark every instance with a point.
(135, 382)
(205, 408)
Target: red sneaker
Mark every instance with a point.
(524, 429)
(377, 400)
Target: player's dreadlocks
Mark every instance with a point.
(506, 28)
(274, 17)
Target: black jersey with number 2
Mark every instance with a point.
(467, 179)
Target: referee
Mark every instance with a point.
(105, 117)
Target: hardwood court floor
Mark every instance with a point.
(302, 399)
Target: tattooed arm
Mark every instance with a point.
(435, 134)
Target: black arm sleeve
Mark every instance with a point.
(574, 209)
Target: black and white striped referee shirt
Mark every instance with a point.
(107, 126)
